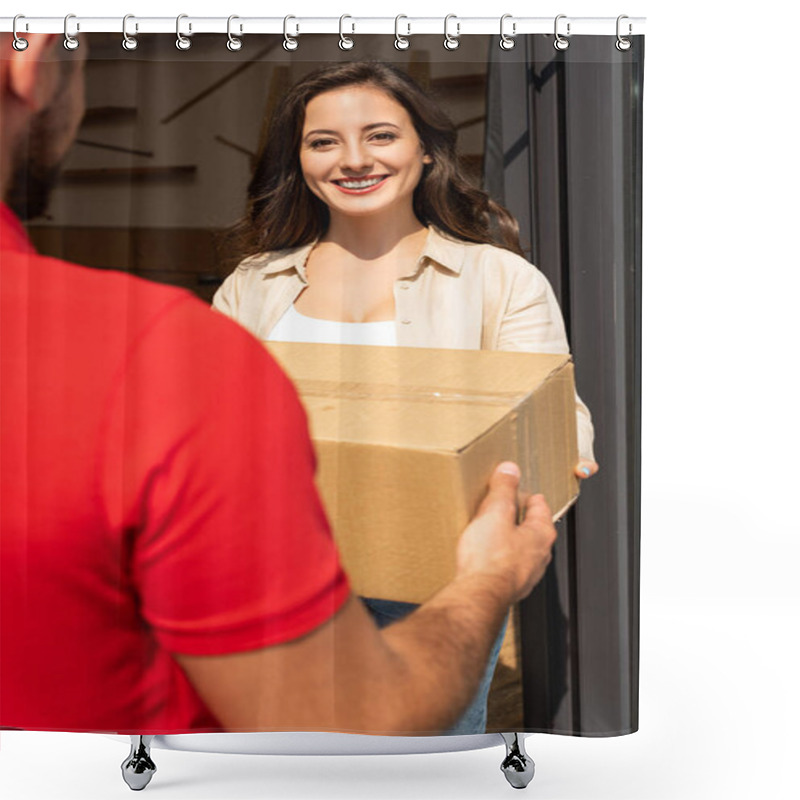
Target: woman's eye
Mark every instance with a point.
(319, 143)
(385, 136)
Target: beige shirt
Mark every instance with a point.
(457, 295)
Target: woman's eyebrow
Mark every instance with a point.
(371, 126)
(381, 125)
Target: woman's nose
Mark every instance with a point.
(355, 157)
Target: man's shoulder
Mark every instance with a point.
(112, 287)
(113, 309)
(49, 281)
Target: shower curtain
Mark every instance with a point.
(159, 174)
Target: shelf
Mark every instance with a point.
(129, 174)
(101, 114)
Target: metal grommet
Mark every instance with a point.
(507, 42)
(623, 43)
(401, 42)
(182, 42)
(234, 44)
(345, 42)
(18, 44)
(128, 42)
(70, 42)
(451, 42)
(560, 42)
(289, 42)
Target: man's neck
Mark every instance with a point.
(10, 133)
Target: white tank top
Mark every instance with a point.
(296, 327)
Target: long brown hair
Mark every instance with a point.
(282, 212)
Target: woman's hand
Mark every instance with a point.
(585, 468)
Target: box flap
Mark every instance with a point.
(418, 398)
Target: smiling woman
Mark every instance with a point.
(361, 229)
(286, 210)
(365, 172)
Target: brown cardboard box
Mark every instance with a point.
(406, 440)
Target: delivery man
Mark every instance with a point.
(165, 563)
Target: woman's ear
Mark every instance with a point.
(426, 159)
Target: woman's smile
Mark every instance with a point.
(363, 185)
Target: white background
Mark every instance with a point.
(720, 604)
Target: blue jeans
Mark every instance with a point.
(473, 720)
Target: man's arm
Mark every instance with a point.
(415, 676)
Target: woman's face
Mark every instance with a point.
(359, 152)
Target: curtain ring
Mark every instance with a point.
(129, 42)
(70, 42)
(18, 44)
(345, 42)
(182, 42)
(234, 43)
(623, 43)
(451, 42)
(289, 42)
(506, 41)
(560, 43)
(401, 42)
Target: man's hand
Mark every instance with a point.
(494, 545)
(423, 670)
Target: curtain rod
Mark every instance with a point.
(403, 25)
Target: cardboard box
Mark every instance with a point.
(406, 440)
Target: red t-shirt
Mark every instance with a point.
(156, 496)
